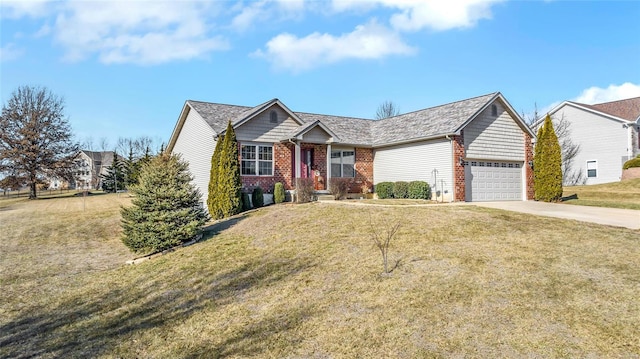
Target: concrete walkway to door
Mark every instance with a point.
(627, 218)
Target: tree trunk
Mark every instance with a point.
(32, 189)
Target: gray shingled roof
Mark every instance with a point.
(430, 122)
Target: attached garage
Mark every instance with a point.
(493, 181)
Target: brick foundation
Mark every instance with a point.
(459, 187)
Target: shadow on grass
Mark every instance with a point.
(90, 324)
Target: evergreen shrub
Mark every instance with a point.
(634, 162)
(419, 190)
(401, 189)
(165, 210)
(278, 193)
(384, 190)
(257, 197)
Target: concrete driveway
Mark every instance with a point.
(628, 218)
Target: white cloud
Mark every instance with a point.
(10, 52)
(369, 41)
(24, 8)
(138, 32)
(595, 94)
(249, 15)
(415, 15)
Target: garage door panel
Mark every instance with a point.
(493, 181)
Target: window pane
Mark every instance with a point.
(335, 154)
(335, 170)
(591, 173)
(336, 164)
(249, 168)
(348, 161)
(248, 152)
(265, 168)
(265, 153)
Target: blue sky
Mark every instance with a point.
(125, 68)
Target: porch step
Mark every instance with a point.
(325, 197)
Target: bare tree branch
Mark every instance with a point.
(387, 109)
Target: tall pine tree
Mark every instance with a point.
(547, 164)
(166, 209)
(225, 184)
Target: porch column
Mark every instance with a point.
(297, 160)
(328, 166)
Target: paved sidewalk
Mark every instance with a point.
(628, 218)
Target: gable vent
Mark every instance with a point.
(273, 117)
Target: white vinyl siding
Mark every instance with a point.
(261, 129)
(195, 144)
(600, 138)
(429, 161)
(496, 138)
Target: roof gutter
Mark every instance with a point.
(416, 139)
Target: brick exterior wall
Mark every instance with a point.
(282, 170)
(364, 170)
(459, 185)
(528, 150)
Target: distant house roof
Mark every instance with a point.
(627, 109)
(427, 123)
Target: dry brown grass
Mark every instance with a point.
(623, 194)
(304, 281)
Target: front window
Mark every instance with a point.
(343, 163)
(592, 169)
(256, 160)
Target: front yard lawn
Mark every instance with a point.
(624, 194)
(305, 281)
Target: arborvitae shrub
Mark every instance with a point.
(165, 210)
(384, 190)
(419, 190)
(278, 193)
(401, 189)
(246, 203)
(547, 164)
(257, 197)
(304, 190)
(225, 185)
(339, 187)
(634, 162)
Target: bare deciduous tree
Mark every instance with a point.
(387, 109)
(36, 138)
(382, 241)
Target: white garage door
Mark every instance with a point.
(493, 181)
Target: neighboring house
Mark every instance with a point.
(477, 149)
(607, 134)
(89, 166)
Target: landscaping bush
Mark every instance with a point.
(384, 190)
(246, 204)
(419, 190)
(339, 187)
(257, 197)
(634, 162)
(225, 185)
(304, 190)
(166, 209)
(547, 164)
(401, 189)
(278, 193)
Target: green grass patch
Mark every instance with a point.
(305, 281)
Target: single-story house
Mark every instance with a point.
(478, 149)
(607, 135)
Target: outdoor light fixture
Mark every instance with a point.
(531, 164)
(461, 161)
